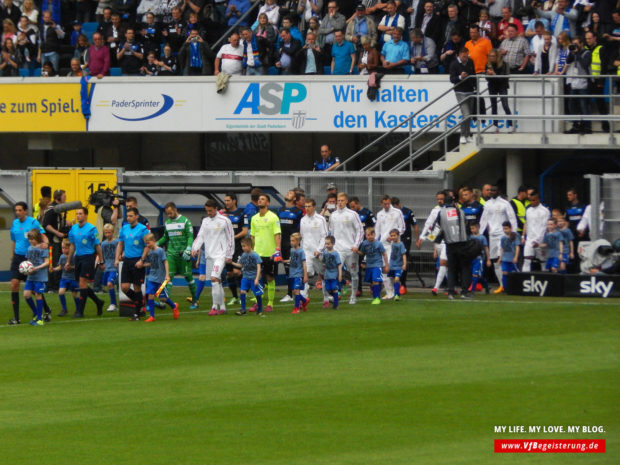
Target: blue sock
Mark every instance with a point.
(376, 291)
(199, 287)
(112, 296)
(170, 302)
(474, 283)
(30, 303)
(396, 288)
(63, 302)
(335, 295)
(243, 301)
(505, 280)
(39, 309)
(77, 303)
(259, 302)
(150, 306)
(297, 301)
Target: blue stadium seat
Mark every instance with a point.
(24, 72)
(88, 29)
(115, 72)
(36, 72)
(327, 70)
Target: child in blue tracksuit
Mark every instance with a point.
(509, 252)
(297, 273)
(568, 252)
(250, 263)
(333, 269)
(477, 264)
(67, 279)
(376, 262)
(398, 261)
(36, 283)
(110, 272)
(552, 243)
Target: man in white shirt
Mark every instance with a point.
(230, 57)
(346, 227)
(217, 239)
(536, 216)
(313, 231)
(390, 21)
(496, 211)
(388, 218)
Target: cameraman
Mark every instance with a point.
(579, 58)
(56, 229)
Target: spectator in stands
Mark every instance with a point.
(332, 22)
(131, 54)
(272, 10)
(99, 57)
(10, 11)
(343, 55)
(390, 22)
(196, 57)
(75, 32)
(423, 53)
(368, 58)
(598, 66)
(47, 70)
(308, 9)
(313, 26)
(81, 50)
(76, 68)
(191, 6)
(495, 9)
(327, 163)
(412, 9)
(496, 67)
(360, 25)
(470, 10)
(193, 23)
(560, 66)
(430, 23)
(507, 19)
(487, 27)
(580, 59)
(173, 30)
(9, 31)
(114, 36)
(451, 50)
(256, 53)
(30, 11)
(453, 23)
(103, 14)
(151, 34)
(219, 11)
(536, 34)
(84, 11)
(395, 54)
(10, 59)
(515, 50)
(310, 57)
(562, 19)
(461, 75)
(546, 55)
(479, 47)
(230, 57)
(51, 35)
(126, 9)
(235, 10)
(595, 25)
(150, 68)
(287, 52)
(27, 44)
(54, 7)
(168, 64)
(145, 6)
(266, 30)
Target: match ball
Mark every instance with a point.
(25, 267)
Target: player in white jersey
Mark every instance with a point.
(536, 216)
(313, 230)
(388, 218)
(429, 231)
(345, 225)
(217, 238)
(496, 211)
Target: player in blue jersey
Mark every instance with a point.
(110, 272)
(398, 261)
(552, 243)
(376, 262)
(509, 252)
(250, 264)
(36, 283)
(67, 279)
(333, 270)
(85, 247)
(298, 273)
(477, 264)
(154, 258)
(19, 238)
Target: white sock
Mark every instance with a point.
(325, 294)
(498, 272)
(354, 284)
(305, 290)
(216, 289)
(441, 274)
(387, 284)
(527, 265)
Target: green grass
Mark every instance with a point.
(422, 381)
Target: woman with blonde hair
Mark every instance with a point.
(498, 85)
(30, 11)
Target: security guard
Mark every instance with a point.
(519, 204)
(598, 66)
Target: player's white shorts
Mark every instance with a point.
(314, 265)
(214, 267)
(350, 261)
(494, 245)
(530, 251)
(442, 253)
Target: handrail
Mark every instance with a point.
(232, 28)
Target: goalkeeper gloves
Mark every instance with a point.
(187, 254)
(277, 257)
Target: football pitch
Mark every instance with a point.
(420, 381)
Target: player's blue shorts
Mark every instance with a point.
(395, 273)
(565, 258)
(296, 283)
(509, 267)
(151, 289)
(476, 267)
(109, 277)
(331, 285)
(38, 287)
(373, 275)
(69, 284)
(553, 262)
(247, 284)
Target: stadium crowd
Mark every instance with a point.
(335, 245)
(173, 37)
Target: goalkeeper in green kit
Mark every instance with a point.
(178, 238)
